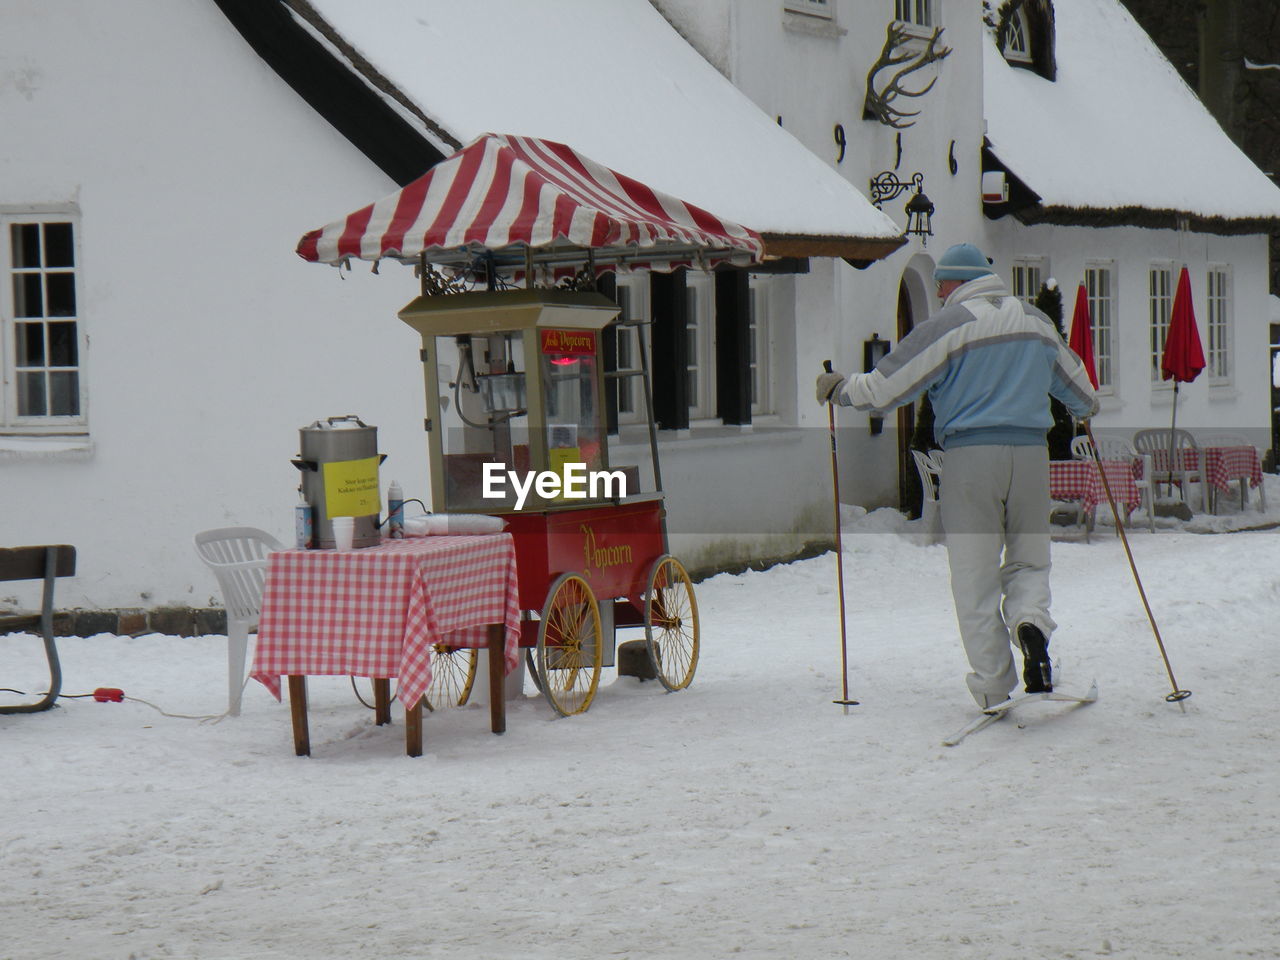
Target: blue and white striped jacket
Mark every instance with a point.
(989, 365)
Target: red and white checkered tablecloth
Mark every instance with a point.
(378, 611)
(1226, 464)
(1080, 480)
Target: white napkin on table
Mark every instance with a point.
(452, 524)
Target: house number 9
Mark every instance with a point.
(838, 135)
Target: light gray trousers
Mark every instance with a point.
(995, 510)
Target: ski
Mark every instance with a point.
(992, 714)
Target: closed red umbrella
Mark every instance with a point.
(1183, 357)
(1081, 339)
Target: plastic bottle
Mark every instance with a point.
(395, 511)
(302, 522)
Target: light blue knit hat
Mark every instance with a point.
(964, 261)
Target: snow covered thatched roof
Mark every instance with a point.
(1117, 137)
(614, 81)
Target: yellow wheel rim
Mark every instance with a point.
(569, 646)
(671, 623)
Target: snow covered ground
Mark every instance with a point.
(745, 817)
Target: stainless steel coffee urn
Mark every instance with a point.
(339, 462)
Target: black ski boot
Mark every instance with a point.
(1037, 673)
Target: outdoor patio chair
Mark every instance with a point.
(1117, 448)
(238, 558)
(45, 563)
(1159, 441)
(929, 466)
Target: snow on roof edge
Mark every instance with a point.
(806, 196)
(1090, 154)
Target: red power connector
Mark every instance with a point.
(108, 695)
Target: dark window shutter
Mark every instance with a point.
(667, 298)
(733, 346)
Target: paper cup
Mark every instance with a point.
(344, 532)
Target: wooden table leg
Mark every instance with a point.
(381, 701)
(298, 709)
(497, 672)
(413, 729)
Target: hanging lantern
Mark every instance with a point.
(919, 216)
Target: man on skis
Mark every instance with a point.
(989, 365)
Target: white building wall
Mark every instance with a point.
(811, 72)
(1241, 406)
(207, 342)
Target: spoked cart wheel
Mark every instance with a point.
(671, 623)
(569, 646)
(453, 674)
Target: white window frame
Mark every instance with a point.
(700, 361)
(1101, 288)
(11, 422)
(1017, 28)
(1026, 276)
(1160, 290)
(760, 362)
(918, 14)
(633, 303)
(813, 8)
(1219, 315)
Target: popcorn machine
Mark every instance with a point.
(516, 428)
(514, 390)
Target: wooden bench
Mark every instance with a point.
(45, 563)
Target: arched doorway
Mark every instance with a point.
(914, 303)
(910, 493)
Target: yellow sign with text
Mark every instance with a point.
(351, 487)
(560, 457)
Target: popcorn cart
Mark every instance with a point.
(516, 428)
(515, 388)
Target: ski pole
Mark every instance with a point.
(1177, 694)
(844, 701)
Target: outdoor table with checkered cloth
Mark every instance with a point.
(377, 612)
(1222, 465)
(1080, 480)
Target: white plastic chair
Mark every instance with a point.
(1117, 448)
(929, 466)
(238, 558)
(1153, 442)
(1081, 448)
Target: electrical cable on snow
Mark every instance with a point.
(115, 695)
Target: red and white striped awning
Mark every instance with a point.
(514, 201)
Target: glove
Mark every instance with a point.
(828, 386)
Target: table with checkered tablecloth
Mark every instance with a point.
(1080, 480)
(1222, 465)
(377, 612)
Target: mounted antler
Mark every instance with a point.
(879, 102)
